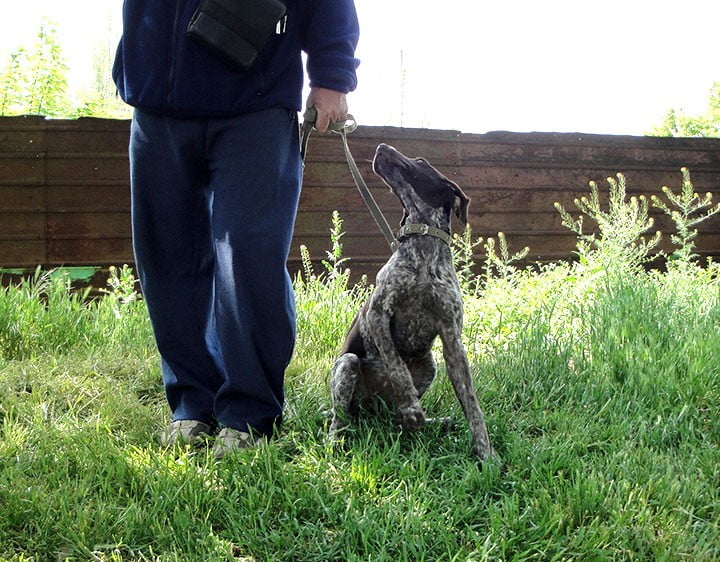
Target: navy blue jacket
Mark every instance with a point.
(159, 69)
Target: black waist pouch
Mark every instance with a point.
(239, 29)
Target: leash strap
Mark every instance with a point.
(367, 196)
(343, 129)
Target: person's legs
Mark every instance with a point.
(256, 175)
(173, 255)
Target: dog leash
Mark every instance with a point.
(407, 230)
(343, 129)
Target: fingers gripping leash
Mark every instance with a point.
(309, 119)
(348, 126)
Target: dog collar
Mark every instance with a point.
(423, 230)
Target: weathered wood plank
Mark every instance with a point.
(86, 169)
(19, 198)
(22, 253)
(102, 198)
(19, 225)
(22, 169)
(88, 225)
(64, 194)
(86, 251)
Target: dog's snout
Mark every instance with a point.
(385, 153)
(382, 154)
(385, 150)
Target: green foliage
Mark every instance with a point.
(619, 240)
(35, 81)
(464, 261)
(97, 104)
(501, 264)
(677, 123)
(42, 315)
(686, 209)
(497, 262)
(620, 245)
(100, 99)
(325, 304)
(601, 399)
(12, 83)
(122, 289)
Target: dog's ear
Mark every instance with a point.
(460, 204)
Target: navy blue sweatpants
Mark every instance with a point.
(213, 210)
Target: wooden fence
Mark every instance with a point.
(64, 195)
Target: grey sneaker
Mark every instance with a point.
(229, 440)
(189, 432)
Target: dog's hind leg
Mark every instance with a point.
(423, 371)
(402, 392)
(343, 382)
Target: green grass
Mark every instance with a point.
(600, 388)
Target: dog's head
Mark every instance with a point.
(427, 195)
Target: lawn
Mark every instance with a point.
(599, 380)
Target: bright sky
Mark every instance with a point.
(614, 66)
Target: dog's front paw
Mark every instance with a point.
(411, 417)
(485, 452)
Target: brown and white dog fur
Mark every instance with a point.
(387, 352)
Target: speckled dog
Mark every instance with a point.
(416, 298)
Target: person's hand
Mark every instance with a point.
(331, 107)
